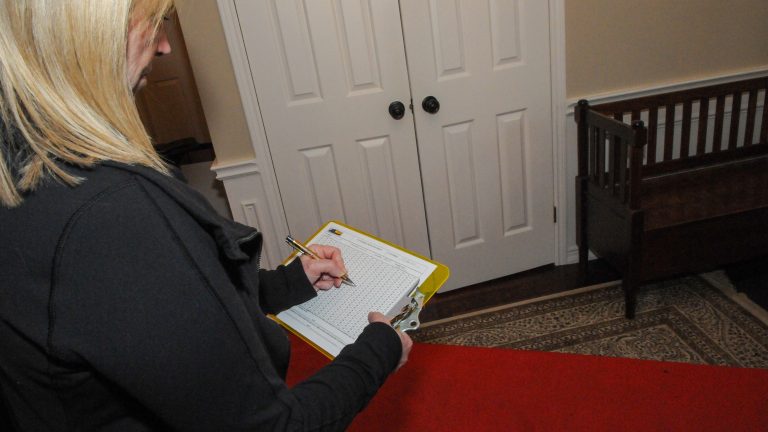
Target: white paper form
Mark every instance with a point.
(385, 276)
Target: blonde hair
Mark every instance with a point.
(64, 93)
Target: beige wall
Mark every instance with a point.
(613, 45)
(215, 79)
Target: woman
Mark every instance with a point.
(126, 303)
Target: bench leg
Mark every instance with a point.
(582, 238)
(630, 297)
(583, 265)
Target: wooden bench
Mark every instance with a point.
(686, 193)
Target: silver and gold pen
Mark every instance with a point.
(305, 250)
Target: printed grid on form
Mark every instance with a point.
(380, 286)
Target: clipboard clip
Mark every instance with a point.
(408, 318)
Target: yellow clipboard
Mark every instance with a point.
(408, 317)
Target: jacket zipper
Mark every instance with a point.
(250, 237)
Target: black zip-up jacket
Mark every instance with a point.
(128, 304)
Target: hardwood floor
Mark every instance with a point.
(534, 283)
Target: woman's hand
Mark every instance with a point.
(324, 273)
(404, 338)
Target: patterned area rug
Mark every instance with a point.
(697, 319)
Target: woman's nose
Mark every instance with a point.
(163, 45)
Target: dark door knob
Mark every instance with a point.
(397, 110)
(430, 104)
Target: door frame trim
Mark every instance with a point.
(559, 109)
(272, 224)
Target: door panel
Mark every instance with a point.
(486, 155)
(325, 73)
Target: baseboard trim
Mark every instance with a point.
(573, 255)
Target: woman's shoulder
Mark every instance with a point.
(54, 206)
(112, 189)
(100, 182)
(112, 197)
(53, 199)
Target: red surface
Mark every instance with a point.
(446, 388)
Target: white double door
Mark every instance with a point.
(470, 185)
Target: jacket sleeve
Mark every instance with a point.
(132, 303)
(284, 287)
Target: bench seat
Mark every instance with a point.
(705, 193)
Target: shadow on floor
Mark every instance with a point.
(751, 277)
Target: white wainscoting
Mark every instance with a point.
(250, 204)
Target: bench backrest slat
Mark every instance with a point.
(751, 110)
(653, 124)
(728, 118)
(685, 135)
(764, 127)
(669, 132)
(735, 121)
(717, 144)
(600, 168)
(701, 144)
